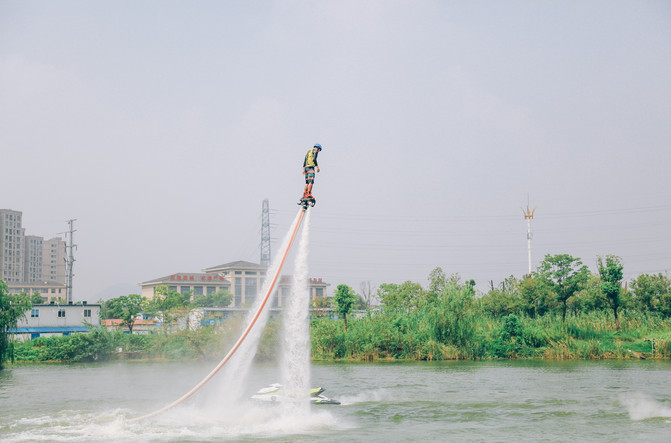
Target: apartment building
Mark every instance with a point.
(32, 258)
(54, 260)
(29, 260)
(11, 246)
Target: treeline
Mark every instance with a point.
(560, 311)
(170, 342)
(167, 305)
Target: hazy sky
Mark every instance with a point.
(162, 125)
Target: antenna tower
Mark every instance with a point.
(528, 216)
(69, 260)
(265, 234)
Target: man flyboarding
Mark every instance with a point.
(309, 166)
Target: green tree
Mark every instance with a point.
(589, 298)
(438, 281)
(131, 306)
(652, 293)
(168, 304)
(344, 298)
(504, 300)
(535, 296)
(36, 298)
(406, 296)
(110, 309)
(126, 308)
(450, 313)
(564, 275)
(12, 309)
(219, 299)
(610, 271)
(320, 306)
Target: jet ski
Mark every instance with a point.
(275, 393)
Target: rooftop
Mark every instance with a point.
(240, 264)
(187, 276)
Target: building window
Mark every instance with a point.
(172, 288)
(87, 312)
(61, 312)
(211, 290)
(35, 313)
(250, 288)
(197, 290)
(184, 289)
(284, 295)
(319, 292)
(238, 291)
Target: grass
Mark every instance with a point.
(408, 336)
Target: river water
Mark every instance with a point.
(447, 401)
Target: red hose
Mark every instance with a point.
(244, 334)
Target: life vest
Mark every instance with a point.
(310, 159)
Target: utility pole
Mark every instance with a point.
(265, 234)
(70, 259)
(528, 216)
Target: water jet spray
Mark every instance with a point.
(245, 333)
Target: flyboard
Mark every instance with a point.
(307, 201)
(245, 333)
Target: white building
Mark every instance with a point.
(244, 280)
(52, 319)
(183, 282)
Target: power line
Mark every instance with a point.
(484, 217)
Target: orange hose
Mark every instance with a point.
(242, 337)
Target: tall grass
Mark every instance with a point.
(423, 334)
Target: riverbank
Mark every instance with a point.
(411, 336)
(381, 337)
